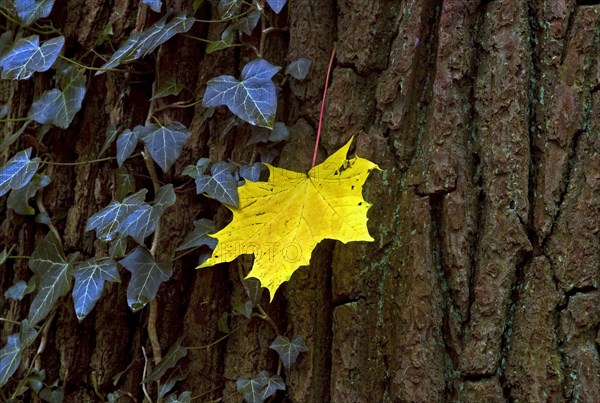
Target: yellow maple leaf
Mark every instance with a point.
(282, 220)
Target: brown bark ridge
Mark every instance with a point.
(482, 282)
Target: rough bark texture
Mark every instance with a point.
(482, 282)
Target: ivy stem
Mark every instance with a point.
(314, 160)
(76, 63)
(8, 120)
(80, 162)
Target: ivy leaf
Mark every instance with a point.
(90, 276)
(106, 222)
(117, 248)
(253, 289)
(277, 5)
(29, 11)
(245, 309)
(282, 220)
(251, 172)
(279, 133)
(253, 99)
(253, 389)
(27, 333)
(26, 57)
(247, 23)
(221, 185)
(59, 107)
(274, 383)
(146, 277)
(225, 42)
(165, 143)
(48, 262)
(142, 222)
(176, 352)
(184, 397)
(197, 170)
(18, 171)
(125, 182)
(52, 395)
(143, 43)
(126, 143)
(10, 358)
(288, 350)
(228, 8)
(18, 200)
(166, 87)
(199, 236)
(165, 198)
(268, 154)
(155, 5)
(299, 68)
(5, 45)
(16, 291)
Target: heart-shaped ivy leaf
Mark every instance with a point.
(221, 185)
(18, 171)
(288, 350)
(107, 221)
(30, 11)
(165, 143)
(18, 200)
(253, 99)
(26, 57)
(49, 263)
(146, 277)
(90, 277)
(277, 5)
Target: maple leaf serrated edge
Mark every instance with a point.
(332, 165)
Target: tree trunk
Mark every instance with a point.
(482, 282)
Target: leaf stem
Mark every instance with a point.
(8, 120)
(82, 66)
(80, 162)
(314, 161)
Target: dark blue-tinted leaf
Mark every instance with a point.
(52, 395)
(155, 5)
(48, 262)
(176, 352)
(146, 277)
(111, 135)
(245, 309)
(247, 23)
(288, 350)
(251, 172)
(125, 182)
(184, 397)
(199, 236)
(35, 380)
(29, 11)
(27, 333)
(118, 248)
(225, 41)
(3, 111)
(253, 99)
(274, 383)
(106, 222)
(165, 142)
(90, 276)
(197, 170)
(18, 200)
(299, 68)
(268, 154)
(228, 8)
(221, 185)
(168, 381)
(139, 224)
(253, 389)
(59, 107)
(16, 291)
(26, 57)
(165, 198)
(167, 86)
(253, 289)
(5, 42)
(143, 43)
(126, 143)
(10, 358)
(18, 171)
(277, 5)
(279, 133)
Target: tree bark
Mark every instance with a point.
(482, 282)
